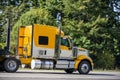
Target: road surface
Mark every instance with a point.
(58, 75)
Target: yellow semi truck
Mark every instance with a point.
(37, 47)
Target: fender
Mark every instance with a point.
(81, 58)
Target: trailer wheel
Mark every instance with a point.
(84, 67)
(69, 71)
(11, 65)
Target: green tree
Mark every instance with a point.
(87, 22)
(12, 9)
(114, 23)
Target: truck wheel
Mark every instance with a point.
(84, 67)
(69, 71)
(11, 65)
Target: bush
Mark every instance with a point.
(104, 61)
(2, 45)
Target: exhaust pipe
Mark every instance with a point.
(8, 35)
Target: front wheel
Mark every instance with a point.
(11, 65)
(84, 67)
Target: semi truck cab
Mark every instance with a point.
(38, 48)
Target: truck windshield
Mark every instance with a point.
(65, 42)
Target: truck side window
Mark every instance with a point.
(64, 42)
(43, 40)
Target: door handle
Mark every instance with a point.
(45, 52)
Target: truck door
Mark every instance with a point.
(66, 50)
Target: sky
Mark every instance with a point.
(117, 9)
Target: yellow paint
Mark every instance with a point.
(63, 47)
(26, 61)
(80, 58)
(24, 44)
(44, 30)
(24, 41)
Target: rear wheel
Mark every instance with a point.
(84, 67)
(11, 65)
(69, 71)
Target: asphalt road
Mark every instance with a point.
(58, 75)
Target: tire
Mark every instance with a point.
(11, 65)
(69, 71)
(84, 67)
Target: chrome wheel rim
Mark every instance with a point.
(12, 65)
(84, 68)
